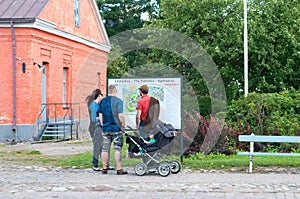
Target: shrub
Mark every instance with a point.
(206, 134)
(261, 114)
(266, 114)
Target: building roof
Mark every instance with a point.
(21, 10)
(26, 13)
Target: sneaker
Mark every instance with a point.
(96, 169)
(104, 171)
(110, 168)
(121, 172)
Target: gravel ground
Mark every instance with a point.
(29, 181)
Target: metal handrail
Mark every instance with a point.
(59, 111)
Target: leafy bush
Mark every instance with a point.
(261, 114)
(208, 133)
(265, 114)
(204, 105)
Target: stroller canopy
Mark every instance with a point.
(164, 133)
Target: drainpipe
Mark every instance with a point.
(14, 126)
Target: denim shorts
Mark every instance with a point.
(112, 137)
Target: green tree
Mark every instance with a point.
(122, 15)
(217, 25)
(274, 45)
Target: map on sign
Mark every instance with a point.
(131, 96)
(166, 90)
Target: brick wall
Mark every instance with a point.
(33, 45)
(64, 18)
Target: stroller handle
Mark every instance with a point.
(131, 129)
(124, 130)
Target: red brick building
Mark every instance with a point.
(53, 54)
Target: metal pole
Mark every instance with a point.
(181, 147)
(14, 48)
(245, 49)
(181, 137)
(251, 156)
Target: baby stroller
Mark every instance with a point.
(151, 153)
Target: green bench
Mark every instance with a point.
(262, 138)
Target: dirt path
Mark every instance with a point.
(51, 149)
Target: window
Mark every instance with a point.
(65, 87)
(76, 13)
(99, 80)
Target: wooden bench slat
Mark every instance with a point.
(268, 154)
(266, 138)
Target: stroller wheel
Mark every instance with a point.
(175, 166)
(140, 168)
(164, 169)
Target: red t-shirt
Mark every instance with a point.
(143, 106)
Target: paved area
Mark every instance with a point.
(54, 182)
(48, 182)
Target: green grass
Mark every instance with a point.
(26, 157)
(197, 161)
(35, 152)
(224, 162)
(84, 160)
(21, 153)
(80, 142)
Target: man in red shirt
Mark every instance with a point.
(142, 110)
